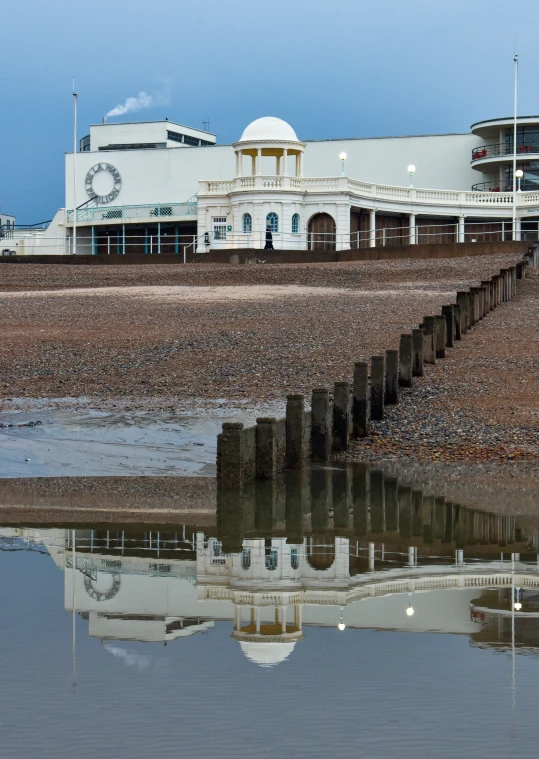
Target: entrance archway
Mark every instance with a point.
(322, 232)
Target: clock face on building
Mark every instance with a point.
(103, 182)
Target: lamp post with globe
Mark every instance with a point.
(343, 158)
(411, 169)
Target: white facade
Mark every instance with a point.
(134, 186)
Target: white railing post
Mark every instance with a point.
(372, 229)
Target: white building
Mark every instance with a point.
(163, 188)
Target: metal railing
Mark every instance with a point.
(150, 211)
(496, 150)
(505, 186)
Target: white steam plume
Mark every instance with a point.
(138, 103)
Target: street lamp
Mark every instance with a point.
(343, 158)
(410, 608)
(341, 624)
(411, 169)
(519, 174)
(518, 604)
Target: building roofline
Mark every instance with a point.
(393, 137)
(501, 118)
(155, 121)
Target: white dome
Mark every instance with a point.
(267, 654)
(268, 128)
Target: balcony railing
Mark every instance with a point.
(504, 187)
(497, 150)
(155, 211)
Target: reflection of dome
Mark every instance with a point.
(267, 654)
(268, 128)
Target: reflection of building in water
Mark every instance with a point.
(340, 549)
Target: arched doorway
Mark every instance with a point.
(322, 234)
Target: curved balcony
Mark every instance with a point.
(503, 187)
(483, 152)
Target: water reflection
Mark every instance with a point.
(343, 548)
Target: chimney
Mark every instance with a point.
(104, 119)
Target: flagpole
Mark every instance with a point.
(515, 74)
(74, 248)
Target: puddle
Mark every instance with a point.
(334, 608)
(92, 443)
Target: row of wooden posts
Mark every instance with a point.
(273, 445)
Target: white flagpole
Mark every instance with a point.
(74, 248)
(515, 60)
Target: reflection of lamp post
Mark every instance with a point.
(343, 158)
(411, 169)
(410, 608)
(341, 624)
(517, 604)
(519, 174)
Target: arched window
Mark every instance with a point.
(247, 223)
(295, 224)
(272, 221)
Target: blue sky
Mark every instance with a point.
(346, 68)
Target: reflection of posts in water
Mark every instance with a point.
(295, 432)
(298, 502)
(448, 526)
(377, 501)
(360, 496)
(230, 518)
(417, 513)
(391, 504)
(405, 511)
(459, 533)
(439, 518)
(428, 518)
(341, 500)
(321, 498)
(270, 505)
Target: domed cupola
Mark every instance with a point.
(269, 136)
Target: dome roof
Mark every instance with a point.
(267, 654)
(268, 128)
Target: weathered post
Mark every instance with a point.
(377, 387)
(474, 295)
(392, 377)
(361, 400)
(519, 270)
(440, 336)
(266, 445)
(449, 316)
(429, 335)
(486, 289)
(295, 432)
(232, 454)
(457, 319)
(321, 425)
(341, 415)
(503, 275)
(417, 352)
(405, 361)
(462, 301)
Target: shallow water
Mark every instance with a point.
(93, 443)
(183, 641)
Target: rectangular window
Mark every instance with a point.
(219, 227)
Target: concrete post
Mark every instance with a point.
(441, 338)
(449, 316)
(377, 387)
(475, 305)
(469, 310)
(462, 301)
(266, 448)
(405, 361)
(457, 318)
(513, 271)
(295, 432)
(392, 377)
(321, 425)
(417, 352)
(341, 415)
(520, 270)
(429, 340)
(361, 400)
(503, 275)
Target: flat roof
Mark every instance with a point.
(157, 121)
(502, 118)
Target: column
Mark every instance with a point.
(259, 161)
(237, 618)
(412, 229)
(372, 229)
(518, 229)
(298, 164)
(253, 165)
(284, 163)
(239, 163)
(461, 229)
(283, 619)
(257, 619)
